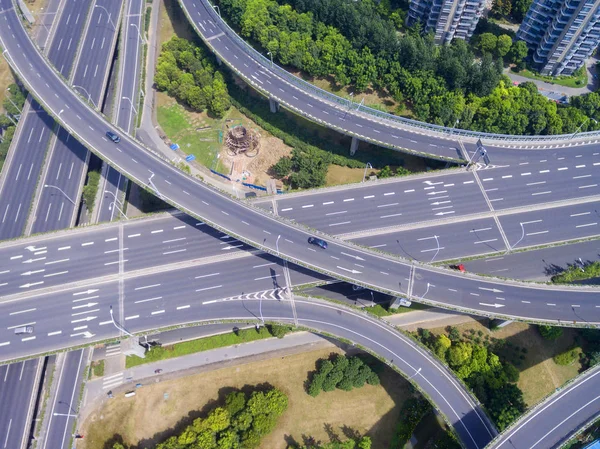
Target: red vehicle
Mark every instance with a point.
(460, 267)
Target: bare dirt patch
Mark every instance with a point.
(172, 21)
(369, 410)
(6, 79)
(540, 376)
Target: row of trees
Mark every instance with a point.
(341, 372)
(240, 424)
(492, 380)
(363, 442)
(514, 9)
(186, 72)
(352, 43)
(13, 104)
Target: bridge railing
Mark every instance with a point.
(331, 97)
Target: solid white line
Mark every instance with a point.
(536, 233)
(542, 193)
(392, 215)
(586, 225)
(157, 312)
(175, 240)
(147, 286)
(212, 274)
(131, 317)
(176, 251)
(22, 311)
(579, 215)
(591, 185)
(213, 287)
(183, 307)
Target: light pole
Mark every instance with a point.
(109, 19)
(522, 235)
(88, 94)
(216, 8)
(61, 191)
(454, 126)
(426, 291)
(271, 55)
(130, 102)
(583, 123)
(113, 203)
(10, 99)
(138, 30)
(119, 327)
(438, 248)
(367, 167)
(418, 371)
(153, 186)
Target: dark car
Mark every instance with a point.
(112, 136)
(319, 242)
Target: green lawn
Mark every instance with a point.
(202, 344)
(202, 143)
(567, 81)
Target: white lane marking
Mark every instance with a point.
(541, 193)
(147, 300)
(50, 334)
(368, 196)
(87, 243)
(174, 240)
(209, 288)
(582, 176)
(328, 202)
(580, 214)
(131, 317)
(22, 311)
(535, 183)
(306, 206)
(348, 199)
(183, 307)
(586, 225)
(588, 186)
(286, 209)
(111, 239)
(215, 274)
(336, 213)
(55, 274)
(147, 286)
(178, 227)
(389, 216)
(133, 235)
(157, 312)
(158, 231)
(388, 205)
(537, 233)
(173, 252)
(340, 223)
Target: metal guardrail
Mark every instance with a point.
(328, 96)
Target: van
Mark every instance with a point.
(24, 330)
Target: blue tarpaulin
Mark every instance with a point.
(190, 157)
(174, 147)
(594, 445)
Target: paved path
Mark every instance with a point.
(430, 318)
(545, 87)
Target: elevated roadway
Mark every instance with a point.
(258, 229)
(347, 117)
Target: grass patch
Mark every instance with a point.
(579, 79)
(90, 189)
(371, 410)
(202, 344)
(525, 348)
(577, 273)
(98, 368)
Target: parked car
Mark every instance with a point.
(112, 136)
(319, 242)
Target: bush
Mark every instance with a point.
(278, 330)
(89, 190)
(344, 373)
(550, 332)
(568, 357)
(413, 410)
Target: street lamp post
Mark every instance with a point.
(418, 371)
(438, 248)
(583, 123)
(88, 94)
(367, 167)
(271, 55)
(138, 30)
(522, 235)
(119, 327)
(109, 19)
(12, 102)
(113, 203)
(61, 191)
(131, 102)
(216, 8)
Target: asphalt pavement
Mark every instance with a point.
(18, 389)
(64, 408)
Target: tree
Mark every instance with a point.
(487, 42)
(506, 404)
(520, 8)
(219, 103)
(518, 51)
(282, 167)
(511, 372)
(502, 8)
(442, 344)
(235, 402)
(459, 353)
(550, 332)
(503, 45)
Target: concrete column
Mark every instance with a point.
(353, 146)
(273, 105)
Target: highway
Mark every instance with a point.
(66, 318)
(127, 99)
(554, 421)
(64, 408)
(23, 167)
(342, 115)
(58, 206)
(258, 229)
(18, 388)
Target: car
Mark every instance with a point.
(460, 267)
(24, 330)
(112, 136)
(319, 242)
(357, 287)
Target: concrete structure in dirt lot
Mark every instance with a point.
(561, 33)
(447, 18)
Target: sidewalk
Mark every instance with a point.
(430, 318)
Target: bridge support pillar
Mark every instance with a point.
(273, 105)
(353, 146)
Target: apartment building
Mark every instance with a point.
(448, 19)
(562, 34)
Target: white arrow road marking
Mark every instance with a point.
(33, 260)
(352, 255)
(91, 290)
(31, 284)
(33, 248)
(86, 334)
(89, 304)
(495, 290)
(89, 318)
(445, 213)
(496, 306)
(350, 271)
(29, 273)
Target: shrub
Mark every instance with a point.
(568, 357)
(550, 332)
